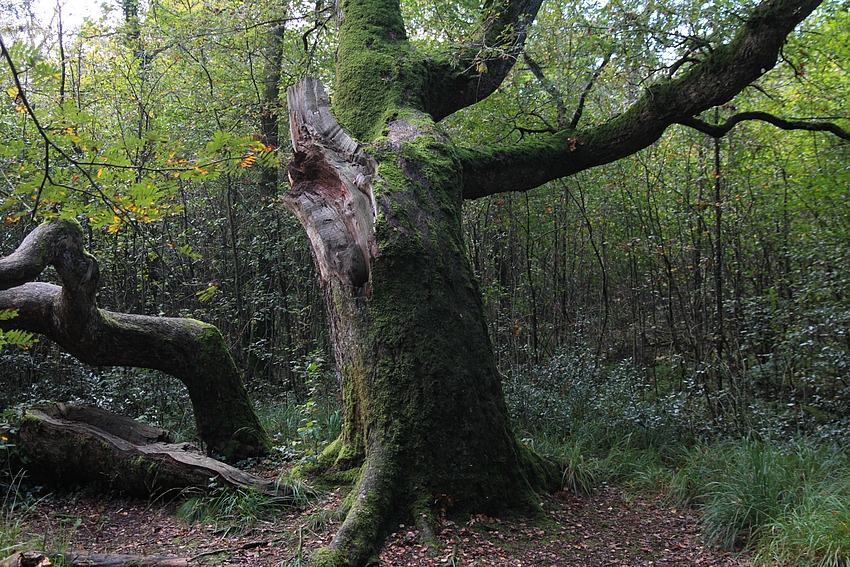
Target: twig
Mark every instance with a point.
(244, 546)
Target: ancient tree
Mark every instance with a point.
(191, 351)
(378, 187)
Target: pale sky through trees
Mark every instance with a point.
(73, 11)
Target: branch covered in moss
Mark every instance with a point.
(191, 351)
(727, 70)
(480, 68)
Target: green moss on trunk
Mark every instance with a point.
(423, 398)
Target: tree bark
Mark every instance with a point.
(71, 443)
(191, 351)
(425, 415)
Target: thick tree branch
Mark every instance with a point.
(191, 351)
(481, 67)
(720, 130)
(378, 71)
(727, 70)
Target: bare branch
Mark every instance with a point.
(720, 130)
(550, 87)
(587, 89)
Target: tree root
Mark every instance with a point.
(371, 500)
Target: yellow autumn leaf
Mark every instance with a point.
(115, 226)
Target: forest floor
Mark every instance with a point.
(614, 527)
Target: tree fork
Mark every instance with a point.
(193, 352)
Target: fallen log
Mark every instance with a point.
(73, 559)
(74, 443)
(26, 559)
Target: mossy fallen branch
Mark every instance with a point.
(191, 351)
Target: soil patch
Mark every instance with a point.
(611, 528)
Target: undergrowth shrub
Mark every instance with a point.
(768, 476)
(571, 397)
(302, 428)
(602, 424)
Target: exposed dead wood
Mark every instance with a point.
(26, 559)
(73, 559)
(76, 443)
(331, 189)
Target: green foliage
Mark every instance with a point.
(569, 396)
(10, 421)
(318, 420)
(14, 337)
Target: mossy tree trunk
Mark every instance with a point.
(191, 351)
(424, 411)
(380, 194)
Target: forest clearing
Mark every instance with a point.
(608, 528)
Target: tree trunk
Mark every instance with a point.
(71, 443)
(191, 351)
(424, 411)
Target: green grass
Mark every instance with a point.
(243, 507)
(814, 533)
(750, 490)
(13, 538)
(581, 474)
(760, 489)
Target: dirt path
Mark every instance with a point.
(612, 528)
